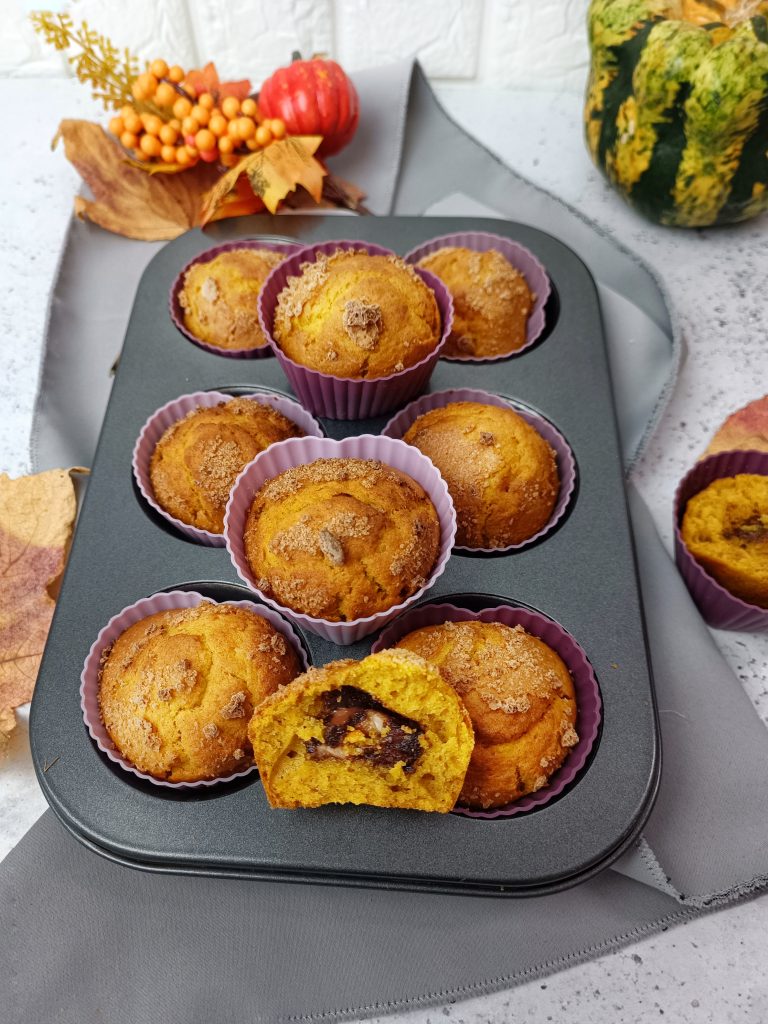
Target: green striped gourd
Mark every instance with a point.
(677, 106)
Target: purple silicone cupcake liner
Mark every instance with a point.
(522, 259)
(89, 678)
(177, 313)
(588, 702)
(344, 398)
(719, 607)
(297, 451)
(176, 410)
(566, 463)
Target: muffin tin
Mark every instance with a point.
(581, 574)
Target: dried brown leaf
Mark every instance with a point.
(273, 172)
(36, 518)
(127, 200)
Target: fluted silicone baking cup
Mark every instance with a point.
(522, 259)
(177, 313)
(566, 463)
(588, 701)
(342, 398)
(176, 410)
(89, 678)
(297, 451)
(719, 607)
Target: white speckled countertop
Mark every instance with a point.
(711, 971)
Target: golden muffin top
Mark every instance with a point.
(219, 298)
(491, 300)
(197, 460)
(520, 698)
(357, 316)
(500, 472)
(177, 689)
(341, 539)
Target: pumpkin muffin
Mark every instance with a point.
(197, 460)
(386, 731)
(219, 298)
(341, 539)
(725, 528)
(520, 698)
(491, 301)
(356, 316)
(177, 689)
(500, 472)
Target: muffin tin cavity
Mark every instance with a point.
(184, 597)
(281, 246)
(566, 461)
(486, 608)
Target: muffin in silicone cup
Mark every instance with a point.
(588, 702)
(719, 606)
(351, 398)
(299, 452)
(178, 315)
(521, 259)
(135, 613)
(566, 463)
(164, 418)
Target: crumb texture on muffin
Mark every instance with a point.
(341, 539)
(219, 298)
(500, 472)
(491, 301)
(386, 731)
(195, 463)
(725, 528)
(177, 689)
(520, 698)
(358, 316)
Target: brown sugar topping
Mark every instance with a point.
(235, 706)
(363, 323)
(299, 289)
(220, 463)
(330, 547)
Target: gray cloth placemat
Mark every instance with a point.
(350, 952)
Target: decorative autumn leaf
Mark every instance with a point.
(127, 200)
(746, 428)
(273, 172)
(207, 80)
(36, 518)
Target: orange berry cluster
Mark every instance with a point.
(189, 127)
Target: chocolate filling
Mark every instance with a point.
(390, 738)
(753, 529)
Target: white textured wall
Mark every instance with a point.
(514, 43)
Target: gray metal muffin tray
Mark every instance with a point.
(583, 575)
